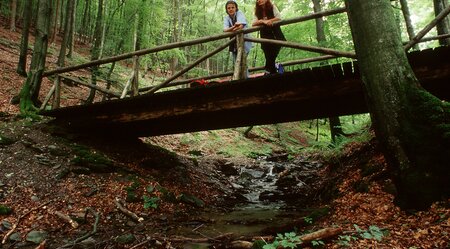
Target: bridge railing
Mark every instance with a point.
(327, 53)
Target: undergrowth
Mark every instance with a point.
(305, 137)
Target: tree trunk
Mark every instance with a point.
(12, 21)
(66, 37)
(84, 21)
(96, 49)
(411, 124)
(443, 27)
(21, 66)
(407, 17)
(54, 25)
(176, 13)
(335, 122)
(71, 41)
(30, 90)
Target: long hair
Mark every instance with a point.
(268, 7)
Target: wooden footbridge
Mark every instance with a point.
(326, 91)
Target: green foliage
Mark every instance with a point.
(4, 210)
(131, 190)
(288, 240)
(308, 220)
(258, 244)
(373, 232)
(150, 202)
(166, 194)
(6, 140)
(345, 240)
(317, 243)
(91, 159)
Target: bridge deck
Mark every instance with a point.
(321, 92)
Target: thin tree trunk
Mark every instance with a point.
(55, 22)
(175, 13)
(21, 66)
(96, 49)
(410, 123)
(84, 22)
(407, 17)
(30, 90)
(12, 20)
(71, 41)
(443, 27)
(102, 44)
(335, 122)
(66, 37)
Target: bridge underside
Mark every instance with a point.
(327, 91)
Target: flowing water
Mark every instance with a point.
(264, 207)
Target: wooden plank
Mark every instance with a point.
(292, 96)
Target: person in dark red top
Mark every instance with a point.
(266, 13)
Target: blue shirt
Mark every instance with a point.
(240, 18)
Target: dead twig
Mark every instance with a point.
(5, 238)
(94, 229)
(127, 212)
(141, 243)
(73, 223)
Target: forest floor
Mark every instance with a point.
(46, 177)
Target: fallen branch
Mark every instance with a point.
(41, 245)
(322, 234)
(200, 240)
(126, 211)
(73, 223)
(94, 229)
(18, 221)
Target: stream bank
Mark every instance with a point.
(198, 197)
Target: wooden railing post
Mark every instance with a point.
(57, 95)
(135, 80)
(240, 63)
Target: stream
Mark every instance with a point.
(273, 194)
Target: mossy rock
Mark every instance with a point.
(167, 195)
(96, 162)
(6, 140)
(191, 200)
(161, 159)
(4, 210)
(126, 239)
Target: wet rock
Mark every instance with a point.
(126, 239)
(15, 237)
(55, 151)
(36, 236)
(228, 169)
(191, 200)
(278, 157)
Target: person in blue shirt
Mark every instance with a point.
(233, 21)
